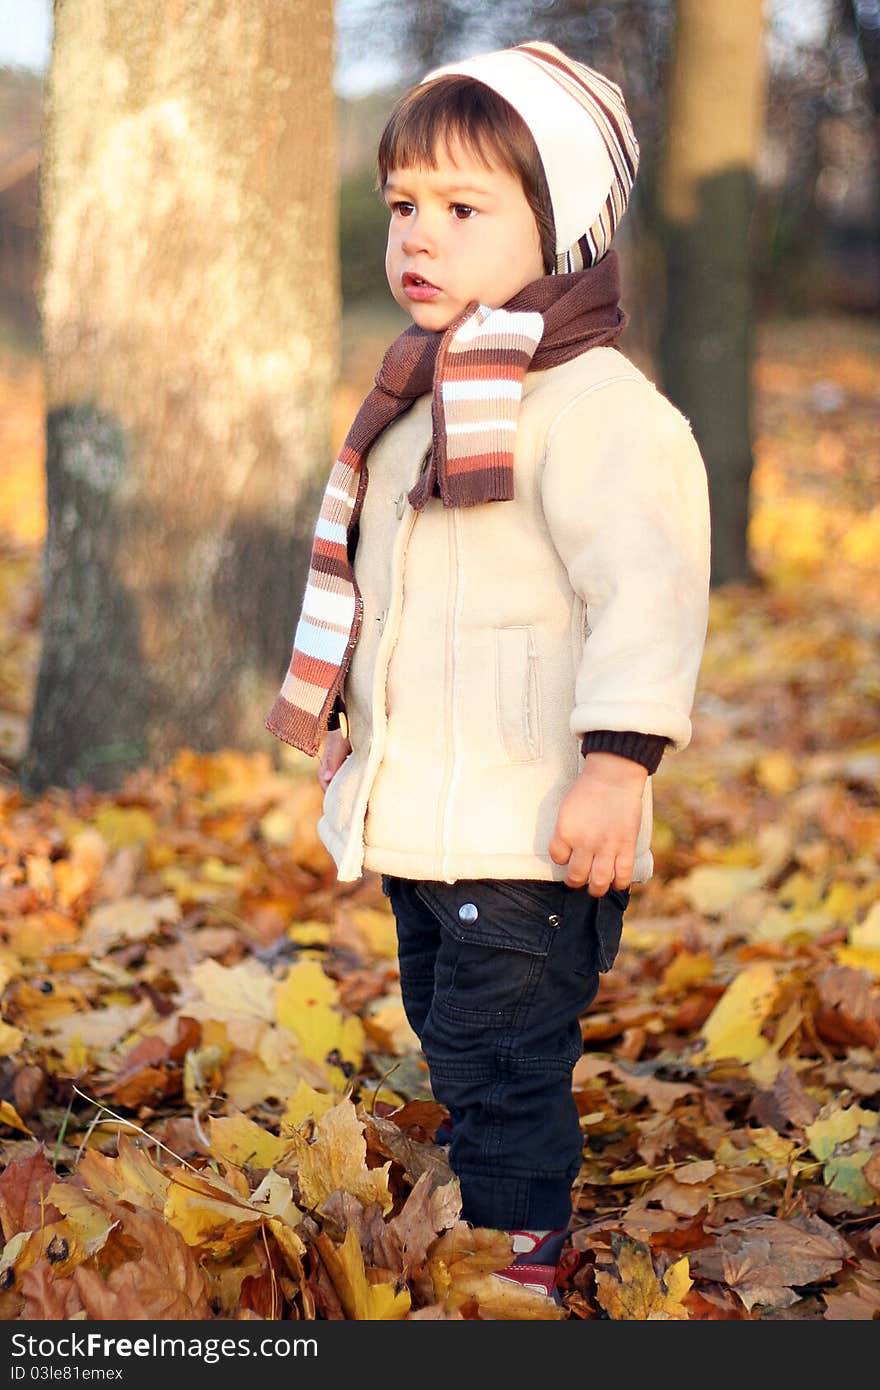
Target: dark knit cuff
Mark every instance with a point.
(647, 749)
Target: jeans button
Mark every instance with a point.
(468, 912)
(554, 920)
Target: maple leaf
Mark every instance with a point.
(24, 1188)
(244, 1143)
(764, 1259)
(336, 1159)
(131, 1177)
(635, 1293)
(164, 1282)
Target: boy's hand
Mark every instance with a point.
(336, 750)
(598, 823)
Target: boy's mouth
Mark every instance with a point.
(417, 287)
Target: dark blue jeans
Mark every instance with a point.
(494, 975)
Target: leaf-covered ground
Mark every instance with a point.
(212, 1104)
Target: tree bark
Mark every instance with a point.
(716, 99)
(189, 303)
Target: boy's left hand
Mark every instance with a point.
(598, 823)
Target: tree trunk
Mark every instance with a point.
(716, 95)
(189, 301)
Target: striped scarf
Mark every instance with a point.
(475, 370)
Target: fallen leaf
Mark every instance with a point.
(362, 1300)
(635, 1293)
(733, 1029)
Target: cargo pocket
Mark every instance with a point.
(495, 939)
(517, 693)
(609, 926)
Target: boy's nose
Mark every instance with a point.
(418, 237)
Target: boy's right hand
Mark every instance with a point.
(336, 750)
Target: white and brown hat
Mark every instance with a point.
(580, 124)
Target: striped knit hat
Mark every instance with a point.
(579, 122)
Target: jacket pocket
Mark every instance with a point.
(517, 693)
(339, 795)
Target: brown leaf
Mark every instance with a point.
(46, 1297)
(428, 1210)
(787, 1102)
(23, 1189)
(765, 1259)
(164, 1282)
(419, 1119)
(850, 1012)
(855, 1299)
(414, 1158)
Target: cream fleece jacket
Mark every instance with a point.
(495, 636)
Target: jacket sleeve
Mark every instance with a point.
(625, 497)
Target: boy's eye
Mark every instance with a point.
(463, 211)
(402, 209)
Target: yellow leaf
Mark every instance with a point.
(274, 1198)
(712, 888)
(10, 1116)
(463, 1254)
(233, 991)
(335, 1160)
(859, 958)
(388, 1022)
(89, 852)
(306, 1002)
(244, 1143)
(92, 1225)
(687, 968)
(733, 1029)
(361, 1300)
(10, 967)
(201, 1070)
(290, 1244)
(379, 929)
(125, 825)
(310, 933)
(867, 933)
(777, 772)
(249, 1078)
(305, 1102)
(637, 1295)
(11, 1039)
(210, 1212)
(835, 1125)
(132, 1177)
(843, 902)
(643, 1172)
(128, 919)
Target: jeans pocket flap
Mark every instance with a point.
(508, 916)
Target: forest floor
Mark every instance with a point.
(211, 1104)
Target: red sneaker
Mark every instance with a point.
(535, 1261)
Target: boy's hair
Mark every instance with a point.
(435, 112)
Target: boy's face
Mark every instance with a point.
(459, 232)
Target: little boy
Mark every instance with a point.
(507, 605)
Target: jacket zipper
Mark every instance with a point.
(450, 779)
